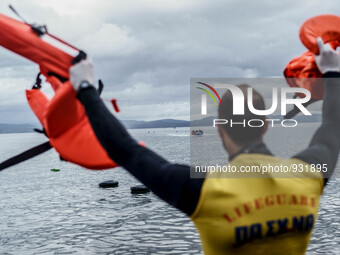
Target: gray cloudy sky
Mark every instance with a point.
(147, 51)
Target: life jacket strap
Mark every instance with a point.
(35, 151)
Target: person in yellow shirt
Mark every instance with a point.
(234, 215)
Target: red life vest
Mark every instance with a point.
(302, 67)
(63, 117)
(325, 26)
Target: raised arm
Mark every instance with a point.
(171, 182)
(325, 144)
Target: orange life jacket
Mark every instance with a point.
(325, 26)
(297, 70)
(63, 117)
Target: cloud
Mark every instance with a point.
(147, 51)
(110, 40)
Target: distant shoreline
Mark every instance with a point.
(138, 124)
(129, 124)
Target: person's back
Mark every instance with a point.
(259, 215)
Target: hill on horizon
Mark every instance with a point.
(163, 123)
(17, 128)
(131, 124)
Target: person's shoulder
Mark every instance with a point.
(331, 75)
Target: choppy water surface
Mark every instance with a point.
(44, 212)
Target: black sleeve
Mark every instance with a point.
(171, 182)
(325, 144)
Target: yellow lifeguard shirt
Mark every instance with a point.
(265, 214)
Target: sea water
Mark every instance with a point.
(44, 212)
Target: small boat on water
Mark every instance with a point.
(197, 132)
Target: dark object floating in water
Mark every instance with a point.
(139, 189)
(108, 184)
(197, 132)
(55, 169)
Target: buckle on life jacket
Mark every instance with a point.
(39, 30)
(37, 84)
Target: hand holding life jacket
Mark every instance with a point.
(300, 68)
(63, 117)
(328, 59)
(81, 72)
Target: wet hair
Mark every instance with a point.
(242, 135)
